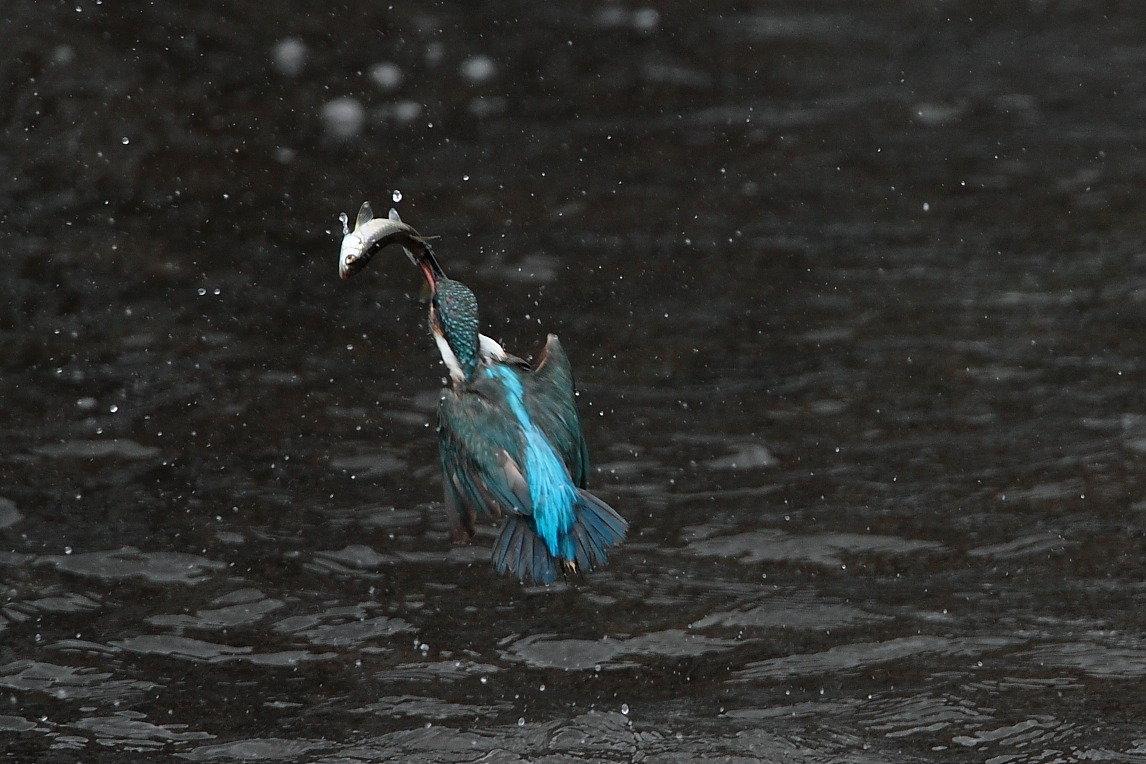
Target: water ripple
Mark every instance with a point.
(343, 626)
(129, 562)
(256, 749)
(68, 681)
(9, 514)
(1093, 659)
(821, 549)
(15, 724)
(240, 614)
(860, 654)
(93, 449)
(1035, 543)
(923, 715)
(427, 708)
(187, 648)
(128, 727)
(791, 613)
(433, 672)
(544, 651)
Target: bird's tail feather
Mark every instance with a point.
(596, 527)
(518, 549)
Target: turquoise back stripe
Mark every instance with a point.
(550, 489)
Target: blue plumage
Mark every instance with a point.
(511, 446)
(551, 493)
(509, 435)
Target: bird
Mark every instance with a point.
(509, 435)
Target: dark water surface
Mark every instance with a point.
(856, 297)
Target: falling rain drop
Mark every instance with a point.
(478, 69)
(343, 118)
(289, 56)
(386, 75)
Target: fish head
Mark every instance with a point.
(370, 236)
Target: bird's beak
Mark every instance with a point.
(424, 264)
(424, 258)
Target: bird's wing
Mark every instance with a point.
(552, 407)
(481, 464)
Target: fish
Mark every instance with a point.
(371, 235)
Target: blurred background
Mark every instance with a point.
(854, 293)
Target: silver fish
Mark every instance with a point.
(371, 235)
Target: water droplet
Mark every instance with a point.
(396, 196)
(343, 118)
(202, 291)
(521, 721)
(67, 550)
(484, 680)
(465, 177)
(125, 140)
(342, 218)
(625, 709)
(646, 19)
(113, 409)
(218, 291)
(289, 56)
(386, 75)
(478, 69)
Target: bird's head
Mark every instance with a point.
(454, 323)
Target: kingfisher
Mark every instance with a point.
(509, 435)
